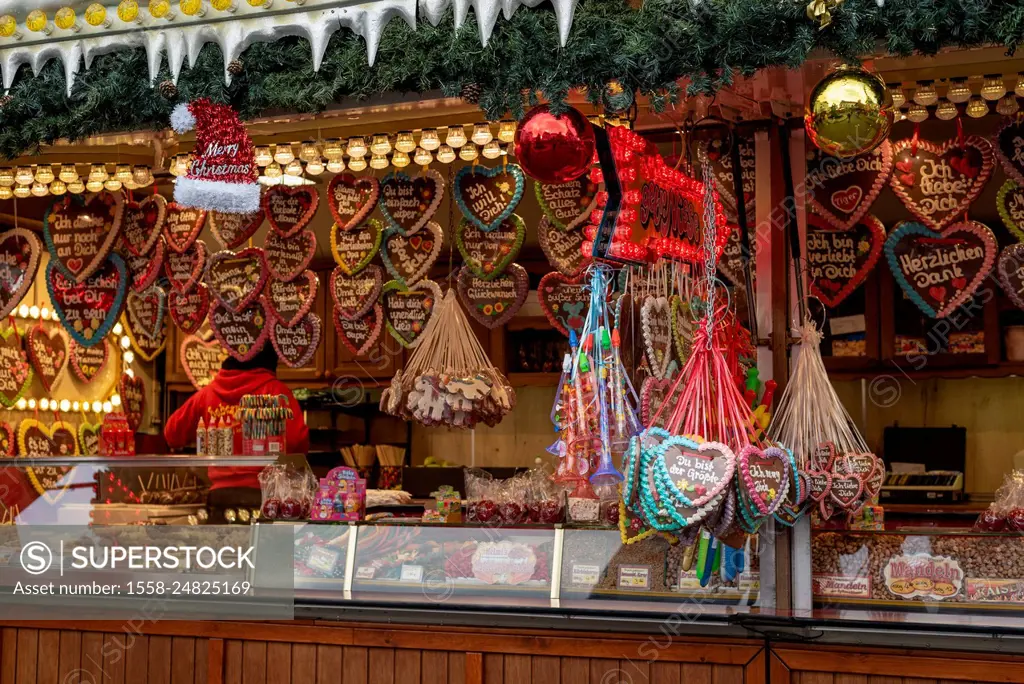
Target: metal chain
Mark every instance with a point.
(710, 237)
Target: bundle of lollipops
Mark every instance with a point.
(449, 380)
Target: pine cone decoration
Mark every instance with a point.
(6, 100)
(471, 93)
(235, 67)
(168, 89)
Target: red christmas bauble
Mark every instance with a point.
(554, 149)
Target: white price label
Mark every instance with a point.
(585, 575)
(412, 573)
(365, 572)
(322, 560)
(635, 577)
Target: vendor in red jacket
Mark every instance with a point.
(234, 487)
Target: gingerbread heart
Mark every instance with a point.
(241, 333)
(567, 205)
(351, 199)
(940, 271)
(201, 360)
(721, 166)
(843, 190)
(408, 258)
(289, 209)
(360, 334)
(655, 409)
(48, 353)
(39, 440)
(145, 269)
(184, 269)
(19, 260)
(289, 301)
(89, 436)
(354, 248)
(823, 456)
(182, 226)
(133, 399)
(845, 492)
(698, 473)
(1011, 273)
(355, 295)
(144, 316)
(81, 230)
(288, 257)
(683, 325)
(819, 484)
(765, 477)
(495, 301)
(488, 196)
(563, 248)
(232, 230)
(874, 480)
(1010, 204)
(1009, 144)
(408, 203)
(937, 182)
(90, 309)
(189, 309)
(236, 279)
(143, 224)
(564, 300)
(409, 309)
(88, 362)
(839, 261)
(8, 440)
(296, 345)
(488, 254)
(656, 322)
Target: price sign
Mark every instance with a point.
(585, 575)
(365, 572)
(412, 573)
(323, 560)
(634, 577)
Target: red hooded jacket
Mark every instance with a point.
(228, 387)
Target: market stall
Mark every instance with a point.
(596, 360)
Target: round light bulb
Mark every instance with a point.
(40, 189)
(404, 142)
(123, 173)
(31, 404)
(223, 5)
(273, 170)
(68, 173)
(182, 164)
(94, 186)
(400, 159)
(429, 139)
(76, 187)
(65, 405)
(926, 95)
(456, 136)
(356, 147)
(958, 92)
(380, 146)
(468, 153)
(129, 372)
(98, 172)
(917, 113)
(977, 108)
(284, 154)
(22, 404)
(482, 133)
(6, 193)
(107, 407)
(118, 329)
(9, 27)
(97, 406)
(116, 400)
(422, 157)
(66, 20)
(315, 167)
(1019, 87)
(129, 357)
(96, 15)
(23, 311)
(506, 131)
(332, 149)
(6, 177)
(44, 174)
(338, 165)
(492, 150)
(58, 187)
(192, 8)
(141, 175)
(33, 311)
(128, 11)
(36, 21)
(308, 152)
(445, 154)
(262, 156)
(125, 342)
(1007, 105)
(294, 168)
(357, 164)
(22, 191)
(44, 404)
(75, 406)
(378, 161)
(24, 175)
(993, 88)
(112, 184)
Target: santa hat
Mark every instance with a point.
(222, 174)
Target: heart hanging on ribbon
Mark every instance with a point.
(408, 309)
(839, 261)
(355, 295)
(563, 248)
(288, 257)
(408, 203)
(351, 199)
(567, 205)
(8, 440)
(201, 360)
(654, 394)
(699, 473)
(940, 271)
(48, 353)
(354, 248)
(189, 309)
(133, 399)
(765, 477)
(843, 190)
(1010, 204)
(297, 345)
(488, 196)
(823, 456)
(236, 279)
(1010, 149)
(845, 492)
(242, 333)
(409, 258)
(289, 209)
(937, 182)
(289, 301)
(564, 300)
(19, 261)
(88, 362)
(360, 334)
(185, 269)
(656, 322)
(182, 226)
(144, 270)
(37, 439)
(232, 230)
(89, 309)
(1011, 273)
(89, 437)
(488, 254)
(819, 484)
(495, 301)
(145, 321)
(143, 224)
(81, 230)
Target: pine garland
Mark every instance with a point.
(646, 49)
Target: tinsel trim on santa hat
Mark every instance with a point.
(230, 198)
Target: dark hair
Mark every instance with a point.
(265, 358)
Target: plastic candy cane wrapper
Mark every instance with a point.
(835, 470)
(449, 380)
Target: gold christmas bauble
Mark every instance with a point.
(849, 112)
